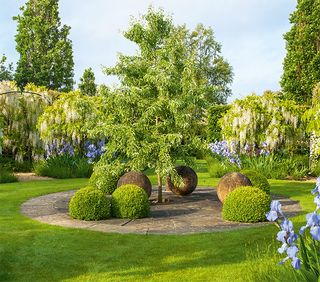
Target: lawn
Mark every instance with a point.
(31, 251)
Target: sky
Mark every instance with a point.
(250, 32)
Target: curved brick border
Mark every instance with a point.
(197, 213)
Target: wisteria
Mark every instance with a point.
(221, 149)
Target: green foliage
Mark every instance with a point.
(105, 179)
(267, 118)
(6, 72)
(64, 167)
(301, 64)
(217, 168)
(7, 177)
(215, 112)
(130, 201)
(246, 204)
(153, 118)
(278, 166)
(87, 83)
(257, 179)
(46, 57)
(90, 204)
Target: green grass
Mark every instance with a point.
(32, 251)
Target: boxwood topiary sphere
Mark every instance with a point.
(136, 178)
(104, 180)
(130, 201)
(258, 180)
(246, 204)
(230, 182)
(189, 178)
(89, 203)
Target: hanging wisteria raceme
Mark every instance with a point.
(67, 120)
(19, 112)
(265, 119)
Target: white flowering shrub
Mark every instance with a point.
(67, 120)
(265, 119)
(19, 112)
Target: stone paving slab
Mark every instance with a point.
(196, 213)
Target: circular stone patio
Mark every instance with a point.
(197, 213)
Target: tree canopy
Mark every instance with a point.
(87, 83)
(46, 57)
(301, 66)
(6, 71)
(152, 116)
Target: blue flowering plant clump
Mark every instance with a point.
(306, 244)
(221, 150)
(94, 151)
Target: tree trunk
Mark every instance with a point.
(159, 188)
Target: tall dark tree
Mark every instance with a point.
(6, 71)
(87, 83)
(301, 65)
(46, 56)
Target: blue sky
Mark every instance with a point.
(250, 31)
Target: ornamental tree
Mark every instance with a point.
(151, 117)
(87, 84)
(301, 66)
(266, 120)
(6, 71)
(46, 56)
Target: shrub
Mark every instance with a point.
(64, 166)
(130, 201)
(258, 180)
(104, 180)
(90, 203)
(7, 177)
(246, 204)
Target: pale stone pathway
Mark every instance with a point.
(197, 213)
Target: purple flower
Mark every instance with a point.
(275, 210)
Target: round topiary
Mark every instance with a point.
(89, 203)
(189, 178)
(130, 201)
(246, 204)
(258, 180)
(104, 180)
(230, 182)
(136, 178)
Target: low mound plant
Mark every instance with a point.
(130, 201)
(90, 203)
(246, 204)
(258, 180)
